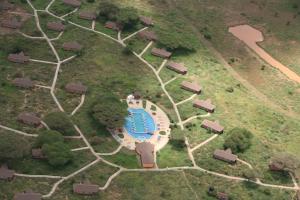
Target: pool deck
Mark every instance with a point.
(161, 120)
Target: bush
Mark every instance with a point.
(60, 122)
(230, 89)
(127, 51)
(58, 154)
(239, 140)
(250, 174)
(177, 144)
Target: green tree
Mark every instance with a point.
(58, 154)
(48, 137)
(108, 11)
(239, 140)
(60, 122)
(110, 111)
(128, 18)
(12, 147)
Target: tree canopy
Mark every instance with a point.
(108, 10)
(48, 137)
(110, 111)
(12, 147)
(128, 17)
(239, 140)
(58, 153)
(60, 122)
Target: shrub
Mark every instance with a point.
(239, 140)
(127, 50)
(60, 122)
(177, 144)
(250, 174)
(230, 89)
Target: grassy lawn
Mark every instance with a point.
(172, 156)
(60, 9)
(20, 184)
(271, 18)
(243, 191)
(40, 4)
(125, 158)
(176, 186)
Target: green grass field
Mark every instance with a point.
(103, 67)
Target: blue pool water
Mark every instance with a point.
(139, 124)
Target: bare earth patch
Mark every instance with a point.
(251, 37)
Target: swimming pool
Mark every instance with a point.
(139, 124)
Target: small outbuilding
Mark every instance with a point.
(72, 46)
(222, 196)
(297, 195)
(25, 83)
(113, 25)
(276, 167)
(147, 21)
(29, 119)
(191, 86)
(73, 3)
(6, 174)
(76, 88)
(18, 57)
(225, 155)
(85, 189)
(161, 53)
(146, 152)
(12, 23)
(147, 35)
(5, 5)
(213, 126)
(27, 196)
(204, 105)
(137, 95)
(87, 15)
(177, 67)
(55, 26)
(37, 154)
